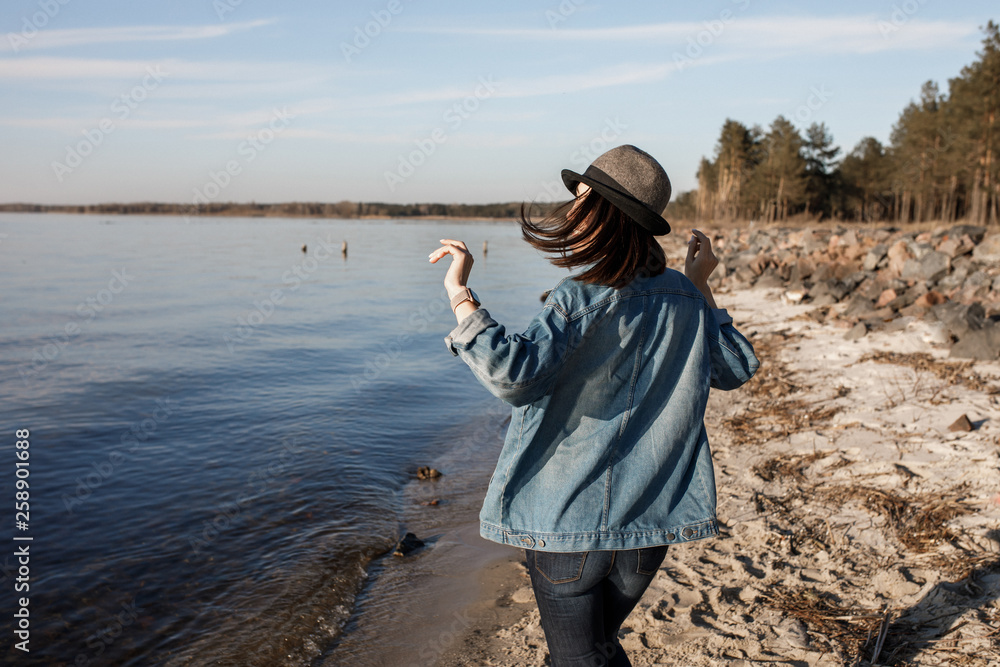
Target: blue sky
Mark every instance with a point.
(410, 101)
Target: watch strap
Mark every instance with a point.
(465, 295)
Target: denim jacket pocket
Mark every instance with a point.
(560, 568)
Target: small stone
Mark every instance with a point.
(793, 296)
(885, 298)
(934, 266)
(898, 254)
(409, 543)
(978, 279)
(425, 472)
(857, 332)
(930, 300)
(955, 246)
(858, 307)
(853, 251)
(824, 300)
(874, 257)
(961, 424)
(907, 298)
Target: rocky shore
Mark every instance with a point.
(948, 276)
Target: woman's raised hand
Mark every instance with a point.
(457, 276)
(701, 261)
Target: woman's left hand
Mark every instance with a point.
(457, 276)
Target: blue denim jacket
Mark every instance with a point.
(606, 447)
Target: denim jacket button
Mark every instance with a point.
(671, 537)
(687, 532)
(541, 543)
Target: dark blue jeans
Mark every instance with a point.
(584, 597)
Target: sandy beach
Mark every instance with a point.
(859, 499)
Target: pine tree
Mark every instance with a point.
(821, 164)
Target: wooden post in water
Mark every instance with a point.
(343, 248)
(485, 250)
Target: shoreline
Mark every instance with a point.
(809, 461)
(275, 216)
(678, 225)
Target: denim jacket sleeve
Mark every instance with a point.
(516, 368)
(733, 358)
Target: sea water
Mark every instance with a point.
(225, 418)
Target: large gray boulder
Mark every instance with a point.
(974, 232)
(979, 343)
(988, 250)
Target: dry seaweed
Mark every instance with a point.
(778, 419)
(952, 372)
(920, 522)
(770, 413)
(852, 628)
(789, 467)
(773, 379)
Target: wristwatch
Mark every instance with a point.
(465, 295)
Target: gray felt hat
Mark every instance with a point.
(633, 181)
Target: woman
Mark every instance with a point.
(606, 461)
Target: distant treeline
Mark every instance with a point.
(342, 209)
(942, 163)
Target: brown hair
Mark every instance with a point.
(596, 234)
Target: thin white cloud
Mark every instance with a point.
(75, 125)
(77, 69)
(50, 39)
(604, 77)
(326, 135)
(844, 34)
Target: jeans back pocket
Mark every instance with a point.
(560, 568)
(649, 559)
